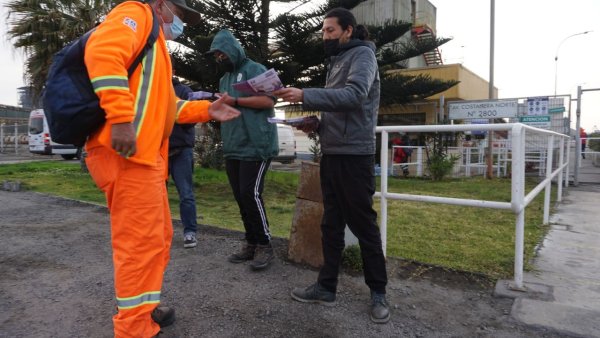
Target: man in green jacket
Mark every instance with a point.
(249, 144)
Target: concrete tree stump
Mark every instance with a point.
(305, 236)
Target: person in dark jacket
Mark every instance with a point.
(349, 104)
(249, 145)
(181, 169)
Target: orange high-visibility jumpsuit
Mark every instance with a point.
(141, 229)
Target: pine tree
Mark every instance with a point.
(299, 55)
(296, 50)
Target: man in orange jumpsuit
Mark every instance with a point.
(127, 156)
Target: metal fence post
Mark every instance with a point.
(548, 190)
(568, 156)
(561, 158)
(384, 187)
(2, 138)
(16, 138)
(419, 161)
(517, 200)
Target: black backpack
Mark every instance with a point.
(70, 104)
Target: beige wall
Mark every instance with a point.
(471, 86)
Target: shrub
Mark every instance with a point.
(440, 165)
(209, 147)
(594, 144)
(351, 258)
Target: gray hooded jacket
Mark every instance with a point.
(349, 102)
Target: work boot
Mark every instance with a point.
(189, 240)
(262, 257)
(380, 311)
(314, 294)
(163, 316)
(245, 254)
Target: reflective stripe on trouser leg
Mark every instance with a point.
(141, 234)
(257, 192)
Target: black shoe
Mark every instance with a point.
(245, 254)
(163, 316)
(380, 311)
(262, 257)
(314, 294)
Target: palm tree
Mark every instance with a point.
(43, 27)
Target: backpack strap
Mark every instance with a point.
(148, 46)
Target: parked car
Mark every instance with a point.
(40, 141)
(287, 144)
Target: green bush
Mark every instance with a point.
(440, 165)
(209, 147)
(594, 144)
(351, 258)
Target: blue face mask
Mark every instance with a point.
(174, 29)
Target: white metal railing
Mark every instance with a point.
(11, 135)
(463, 167)
(519, 199)
(587, 151)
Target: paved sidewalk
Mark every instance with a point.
(569, 264)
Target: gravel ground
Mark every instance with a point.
(56, 281)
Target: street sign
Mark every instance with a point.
(537, 105)
(537, 121)
(556, 110)
(482, 109)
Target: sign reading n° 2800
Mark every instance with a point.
(482, 109)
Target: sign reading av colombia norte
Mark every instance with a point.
(482, 109)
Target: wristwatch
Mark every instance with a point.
(236, 102)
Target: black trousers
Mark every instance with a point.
(348, 184)
(247, 181)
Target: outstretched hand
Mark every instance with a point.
(290, 94)
(309, 124)
(221, 111)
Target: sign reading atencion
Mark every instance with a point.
(539, 121)
(482, 109)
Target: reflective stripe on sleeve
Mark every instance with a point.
(110, 82)
(143, 90)
(180, 105)
(152, 297)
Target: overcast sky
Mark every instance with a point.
(528, 36)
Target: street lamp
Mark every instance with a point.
(556, 57)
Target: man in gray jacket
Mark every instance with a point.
(349, 104)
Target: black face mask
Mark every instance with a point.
(331, 46)
(225, 65)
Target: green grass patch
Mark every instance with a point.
(463, 238)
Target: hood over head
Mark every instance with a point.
(226, 43)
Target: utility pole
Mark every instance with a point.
(489, 157)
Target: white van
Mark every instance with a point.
(287, 144)
(40, 141)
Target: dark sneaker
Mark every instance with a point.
(245, 254)
(189, 240)
(262, 257)
(380, 311)
(314, 294)
(163, 316)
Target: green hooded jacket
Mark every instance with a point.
(250, 137)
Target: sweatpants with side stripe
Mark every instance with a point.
(247, 181)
